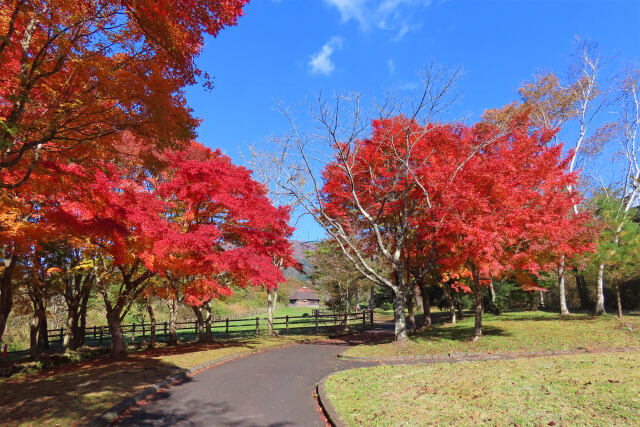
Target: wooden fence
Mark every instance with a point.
(223, 327)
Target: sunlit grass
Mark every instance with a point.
(515, 332)
(601, 389)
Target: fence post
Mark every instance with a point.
(61, 336)
(165, 330)
(316, 321)
(101, 333)
(133, 333)
(257, 324)
(226, 327)
(287, 324)
(371, 316)
(94, 333)
(364, 319)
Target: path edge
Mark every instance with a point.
(327, 407)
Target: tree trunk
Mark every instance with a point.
(272, 296)
(38, 333)
(152, 320)
(371, 296)
(398, 316)
(43, 329)
(73, 321)
(493, 292)
(357, 300)
(426, 305)
(345, 315)
(6, 292)
(412, 316)
(84, 302)
(459, 307)
(452, 308)
(173, 315)
(118, 348)
(561, 290)
(583, 292)
(618, 300)
(477, 297)
(600, 291)
(348, 300)
(535, 302)
(207, 321)
(541, 299)
(33, 334)
(200, 322)
(76, 296)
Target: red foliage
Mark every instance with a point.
(478, 202)
(75, 73)
(202, 219)
(225, 229)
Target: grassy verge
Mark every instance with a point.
(73, 394)
(514, 332)
(599, 389)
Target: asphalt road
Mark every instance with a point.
(273, 388)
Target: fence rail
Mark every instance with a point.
(225, 327)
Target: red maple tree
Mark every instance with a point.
(74, 72)
(475, 201)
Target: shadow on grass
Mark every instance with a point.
(73, 394)
(459, 333)
(549, 316)
(542, 318)
(440, 332)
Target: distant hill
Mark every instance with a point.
(299, 249)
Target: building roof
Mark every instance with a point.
(305, 293)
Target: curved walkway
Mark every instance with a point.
(273, 388)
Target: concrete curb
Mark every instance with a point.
(471, 357)
(110, 415)
(327, 407)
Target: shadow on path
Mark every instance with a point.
(273, 388)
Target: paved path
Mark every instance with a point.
(273, 388)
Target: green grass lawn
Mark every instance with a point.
(597, 390)
(73, 394)
(515, 332)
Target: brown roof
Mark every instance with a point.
(305, 293)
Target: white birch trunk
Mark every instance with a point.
(561, 290)
(493, 292)
(600, 290)
(272, 298)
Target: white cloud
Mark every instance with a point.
(321, 62)
(390, 15)
(351, 9)
(391, 66)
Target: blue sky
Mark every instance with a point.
(286, 50)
